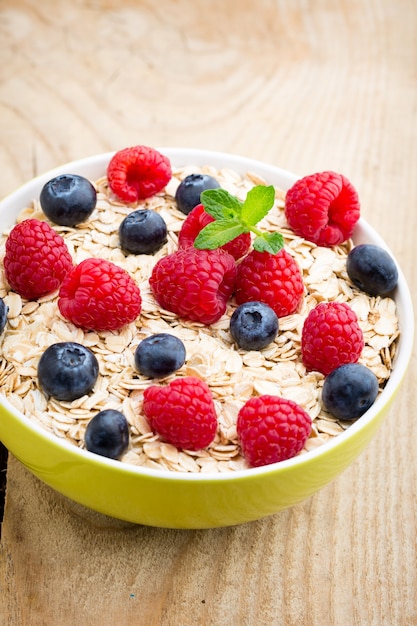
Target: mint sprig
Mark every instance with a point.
(233, 218)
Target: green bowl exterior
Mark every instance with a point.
(169, 499)
(179, 502)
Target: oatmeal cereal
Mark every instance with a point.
(232, 374)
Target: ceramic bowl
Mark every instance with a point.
(176, 500)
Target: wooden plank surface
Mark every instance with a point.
(306, 85)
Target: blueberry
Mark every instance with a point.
(189, 190)
(159, 355)
(372, 269)
(68, 199)
(253, 325)
(67, 370)
(107, 434)
(4, 309)
(143, 232)
(349, 391)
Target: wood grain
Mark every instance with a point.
(305, 85)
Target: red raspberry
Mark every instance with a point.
(196, 220)
(274, 279)
(137, 173)
(182, 412)
(323, 208)
(36, 260)
(331, 337)
(194, 284)
(272, 429)
(99, 295)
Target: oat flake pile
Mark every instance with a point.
(233, 375)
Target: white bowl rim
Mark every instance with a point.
(363, 229)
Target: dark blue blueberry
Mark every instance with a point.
(159, 355)
(189, 190)
(4, 309)
(67, 371)
(143, 232)
(107, 434)
(253, 325)
(372, 269)
(349, 391)
(68, 199)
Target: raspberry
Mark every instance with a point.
(194, 284)
(196, 220)
(182, 412)
(36, 260)
(99, 295)
(271, 429)
(137, 173)
(323, 208)
(331, 336)
(274, 279)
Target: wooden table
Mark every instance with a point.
(306, 85)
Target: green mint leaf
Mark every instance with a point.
(259, 201)
(220, 204)
(233, 218)
(269, 242)
(218, 233)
